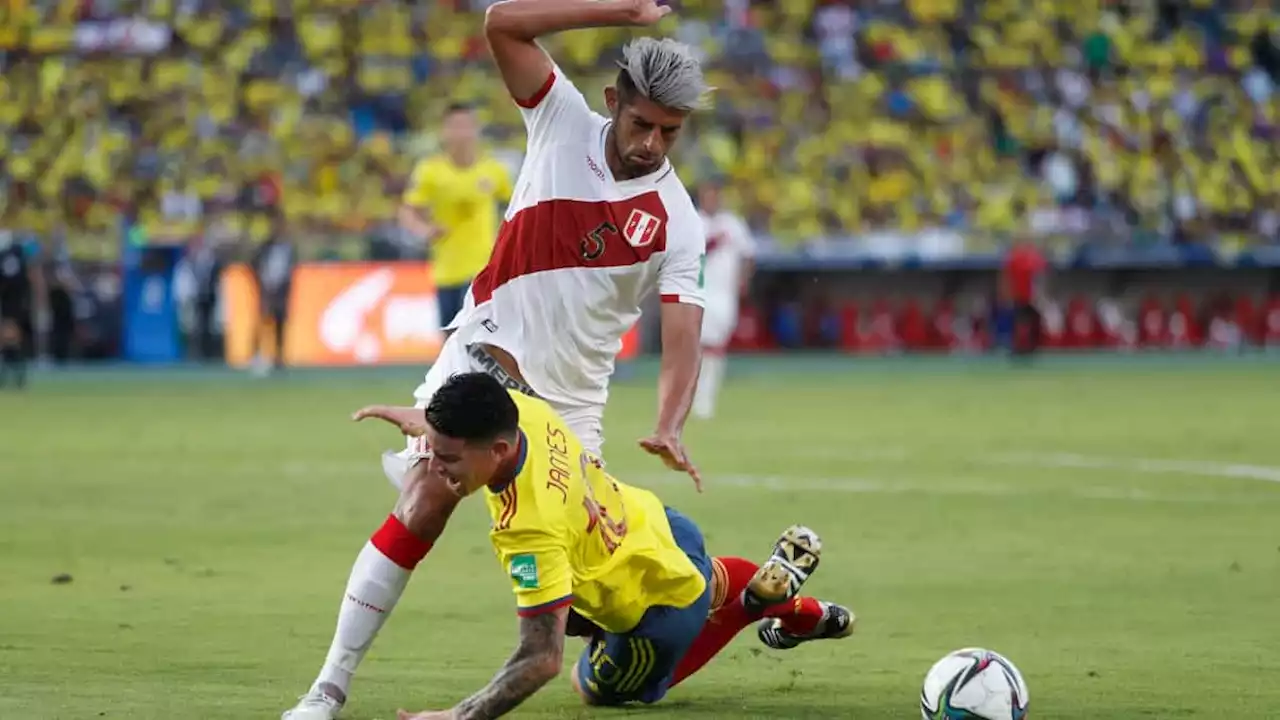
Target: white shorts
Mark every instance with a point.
(719, 320)
(586, 421)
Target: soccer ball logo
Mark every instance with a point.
(974, 684)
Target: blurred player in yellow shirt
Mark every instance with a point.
(589, 556)
(451, 204)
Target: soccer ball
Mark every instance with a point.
(974, 684)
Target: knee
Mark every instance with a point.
(425, 503)
(590, 699)
(587, 698)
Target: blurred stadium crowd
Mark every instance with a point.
(1139, 121)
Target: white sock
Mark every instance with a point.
(375, 585)
(704, 397)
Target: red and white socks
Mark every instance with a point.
(378, 579)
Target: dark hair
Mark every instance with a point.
(458, 107)
(626, 87)
(473, 407)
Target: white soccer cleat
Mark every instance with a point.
(315, 705)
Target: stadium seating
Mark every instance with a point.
(1111, 118)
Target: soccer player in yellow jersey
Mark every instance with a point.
(590, 556)
(452, 202)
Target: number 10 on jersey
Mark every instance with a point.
(612, 528)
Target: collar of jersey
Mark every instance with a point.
(499, 486)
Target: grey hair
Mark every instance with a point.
(665, 72)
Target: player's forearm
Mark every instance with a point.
(531, 19)
(535, 663)
(678, 377)
(416, 222)
(518, 680)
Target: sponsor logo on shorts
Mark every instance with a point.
(489, 365)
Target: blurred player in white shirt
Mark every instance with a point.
(730, 262)
(597, 222)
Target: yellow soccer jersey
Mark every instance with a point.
(568, 533)
(463, 201)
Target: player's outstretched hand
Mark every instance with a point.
(671, 450)
(648, 12)
(436, 715)
(411, 421)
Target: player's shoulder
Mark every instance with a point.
(560, 114)
(493, 165)
(531, 409)
(581, 132)
(545, 431)
(675, 197)
(426, 167)
(536, 498)
(432, 160)
(560, 85)
(684, 222)
(546, 434)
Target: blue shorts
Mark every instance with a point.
(639, 665)
(450, 299)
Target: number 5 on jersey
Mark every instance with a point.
(593, 242)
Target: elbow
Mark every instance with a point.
(547, 667)
(497, 19)
(550, 662)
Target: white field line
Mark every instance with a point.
(1150, 466)
(954, 485)
(1067, 460)
(776, 483)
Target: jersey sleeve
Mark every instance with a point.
(680, 276)
(538, 566)
(557, 111)
(418, 192)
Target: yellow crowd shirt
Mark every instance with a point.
(568, 533)
(463, 201)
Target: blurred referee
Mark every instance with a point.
(273, 265)
(451, 204)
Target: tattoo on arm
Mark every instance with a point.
(535, 662)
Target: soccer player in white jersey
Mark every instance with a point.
(598, 220)
(730, 262)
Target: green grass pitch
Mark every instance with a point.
(1113, 527)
